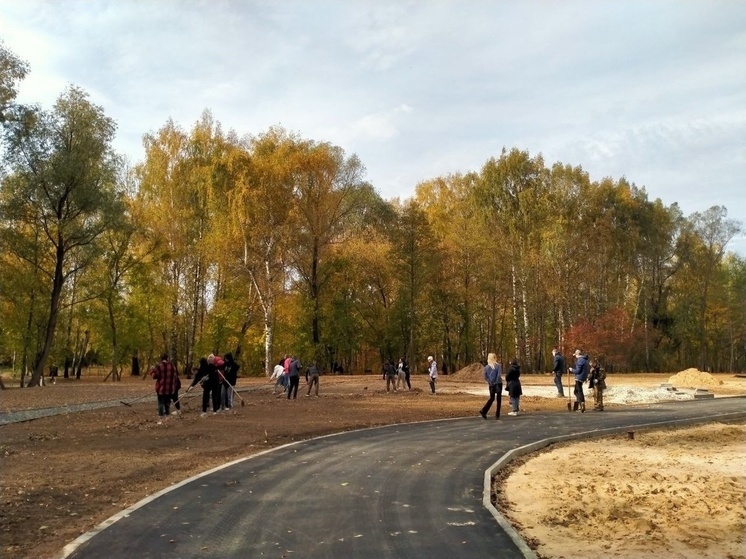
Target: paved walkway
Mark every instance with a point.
(411, 490)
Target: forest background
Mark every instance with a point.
(271, 243)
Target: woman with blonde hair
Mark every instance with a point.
(493, 376)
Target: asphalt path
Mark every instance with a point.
(413, 490)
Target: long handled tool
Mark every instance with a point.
(569, 384)
(129, 404)
(234, 390)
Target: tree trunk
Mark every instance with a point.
(83, 349)
(54, 309)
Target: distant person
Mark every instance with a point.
(389, 374)
(230, 372)
(597, 383)
(294, 377)
(166, 380)
(405, 366)
(493, 377)
(312, 378)
(401, 374)
(513, 387)
(580, 373)
(432, 372)
(278, 375)
(558, 369)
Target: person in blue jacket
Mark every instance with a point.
(493, 377)
(581, 375)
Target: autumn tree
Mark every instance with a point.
(64, 171)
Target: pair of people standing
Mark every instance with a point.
(402, 374)
(493, 377)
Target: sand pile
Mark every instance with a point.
(471, 373)
(692, 378)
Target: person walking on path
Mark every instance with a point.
(401, 375)
(558, 370)
(294, 377)
(432, 372)
(207, 377)
(580, 373)
(597, 383)
(493, 376)
(230, 372)
(166, 380)
(513, 387)
(389, 374)
(312, 378)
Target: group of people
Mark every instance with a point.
(286, 374)
(397, 377)
(584, 370)
(216, 375)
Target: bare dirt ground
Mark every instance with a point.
(63, 475)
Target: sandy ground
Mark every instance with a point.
(63, 475)
(666, 494)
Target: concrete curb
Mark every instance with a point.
(508, 457)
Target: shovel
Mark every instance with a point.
(569, 380)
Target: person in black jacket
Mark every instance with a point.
(513, 386)
(558, 369)
(230, 372)
(207, 376)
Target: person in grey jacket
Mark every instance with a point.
(294, 377)
(493, 376)
(558, 370)
(312, 378)
(581, 375)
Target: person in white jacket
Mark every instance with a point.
(278, 376)
(432, 372)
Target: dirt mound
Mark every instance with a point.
(471, 373)
(693, 378)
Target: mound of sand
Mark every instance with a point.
(471, 373)
(693, 378)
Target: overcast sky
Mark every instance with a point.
(651, 90)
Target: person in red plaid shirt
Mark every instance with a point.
(166, 384)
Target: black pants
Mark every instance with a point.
(164, 404)
(293, 386)
(208, 392)
(579, 395)
(409, 384)
(495, 395)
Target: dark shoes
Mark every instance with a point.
(483, 414)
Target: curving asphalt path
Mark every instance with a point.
(412, 490)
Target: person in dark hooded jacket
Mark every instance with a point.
(513, 387)
(230, 372)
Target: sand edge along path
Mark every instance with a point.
(667, 493)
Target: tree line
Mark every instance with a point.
(271, 243)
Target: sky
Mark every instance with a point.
(650, 90)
